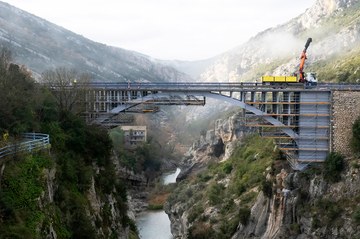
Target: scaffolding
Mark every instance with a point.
(306, 113)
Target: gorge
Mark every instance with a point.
(233, 183)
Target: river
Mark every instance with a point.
(156, 224)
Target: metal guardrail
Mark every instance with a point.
(216, 86)
(33, 141)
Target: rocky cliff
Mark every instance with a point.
(32, 193)
(253, 193)
(305, 205)
(216, 144)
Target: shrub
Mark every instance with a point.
(333, 166)
(201, 230)
(227, 167)
(195, 213)
(22, 184)
(355, 143)
(266, 188)
(228, 227)
(295, 229)
(244, 215)
(356, 215)
(215, 193)
(327, 212)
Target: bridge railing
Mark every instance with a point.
(33, 142)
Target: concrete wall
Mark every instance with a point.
(346, 109)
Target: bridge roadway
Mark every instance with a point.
(217, 86)
(298, 117)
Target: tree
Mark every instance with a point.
(356, 136)
(18, 92)
(333, 166)
(69, 88)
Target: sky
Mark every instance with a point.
(167, 29)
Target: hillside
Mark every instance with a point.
(41, 45)
(254, 193)
(249, 191)
(334, 26)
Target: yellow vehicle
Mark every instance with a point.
(308, 80)
(279, 79)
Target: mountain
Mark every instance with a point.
(334, 26)
(192, 68)
(253, 193)
(41, 45)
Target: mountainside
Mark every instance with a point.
(254, 194)
(41, 45)
(334, 26)
(249, 191)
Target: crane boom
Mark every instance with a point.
(302, 61)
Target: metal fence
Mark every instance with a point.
(31, 142)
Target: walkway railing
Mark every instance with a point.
(32, 142)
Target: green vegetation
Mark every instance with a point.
(18, 97)
(80, 155)
(326, 212)
(244, 215)
(158, 195)
(230, 187)
(22, 184)
(355, 143)
(356, 215)
(342, 68)
(144, 158)
(333, 166)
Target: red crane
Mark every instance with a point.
(302, 61)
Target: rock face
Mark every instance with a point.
(103, 222)
(216, 145)
(305, 208)
(299, 205)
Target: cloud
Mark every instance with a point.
(167, 29)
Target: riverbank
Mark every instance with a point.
(155, 223)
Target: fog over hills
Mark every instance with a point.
(41, 45)
(334, 26)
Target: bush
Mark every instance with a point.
(355, 143)
(244, 215)
(215, 193)
(356, 215)
(326, 212)
(201, 230)
(195, 212)
(266, 188)
(22, 184)
(333, 166)
(228, 227)
(227, 167)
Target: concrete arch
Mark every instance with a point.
(220, 97)
(252, 109)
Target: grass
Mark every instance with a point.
(156, 202)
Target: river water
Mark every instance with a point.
(156, 224)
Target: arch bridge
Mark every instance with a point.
(298, 118)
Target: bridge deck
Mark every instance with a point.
(303, 115)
